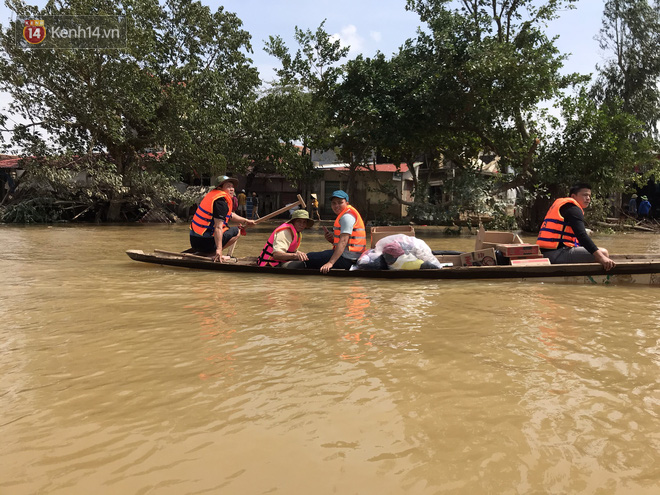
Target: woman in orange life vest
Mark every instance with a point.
(563, 238)
(348, 238)
(281, 249)
(209, 229)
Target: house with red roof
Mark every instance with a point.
(10, 170)
(368, 198)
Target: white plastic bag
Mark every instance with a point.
(399, 252)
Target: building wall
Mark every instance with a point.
(370, 203)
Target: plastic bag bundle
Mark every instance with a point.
(398, 252)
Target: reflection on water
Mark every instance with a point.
(128, 378)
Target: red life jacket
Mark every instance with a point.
(358, 241)
(202, 222)
(555, 229)
(266, 256)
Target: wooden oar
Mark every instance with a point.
(282, 210)
(270, 215)
(241, 231)
(187, 255)
(183, 255)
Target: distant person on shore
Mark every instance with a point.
(242, 203)
(209, 230)
(644, 209)
(632, 206)
(315, 207)
(563, 237)
(255, 206)
(281, 248)
(348, 238)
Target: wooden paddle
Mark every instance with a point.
(282, 210)
(183, 255)
(271, 215)
(186, 255)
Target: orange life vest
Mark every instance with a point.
(202, 222)
(358, 241)
(555, 230)
(266, 256)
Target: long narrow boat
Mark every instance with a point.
(643, 269)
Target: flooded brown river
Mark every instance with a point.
(127, 378)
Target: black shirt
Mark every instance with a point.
(575, 218)
(220, 208)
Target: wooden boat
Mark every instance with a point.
(643, 269)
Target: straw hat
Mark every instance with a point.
(644, 198)
(302, 214)
(634, 196)
(313, 195)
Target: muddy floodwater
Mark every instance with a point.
(121, 377)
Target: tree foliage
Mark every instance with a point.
(475, 81)
(590, 144)
(630, 36)
(304, 82)
(180, 84)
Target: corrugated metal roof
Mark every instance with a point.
(9, 162)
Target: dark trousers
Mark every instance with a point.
(207, 244)
(320, 258)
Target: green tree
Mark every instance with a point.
(590, 144)
(631, 35)
(180, 84)
(384, 105)
(277, 122)
(493, 68)
(298, 103)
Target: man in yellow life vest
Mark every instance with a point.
(281, 248)
(348, 237)
(563, 238)
(209, 229)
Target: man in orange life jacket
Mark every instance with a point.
(348, 238)
(563, 238)
(209, 229)
(281, 248)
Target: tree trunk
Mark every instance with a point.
(117, 199)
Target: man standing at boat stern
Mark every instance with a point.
(563, 237)
(209, 229)
(348, 237)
